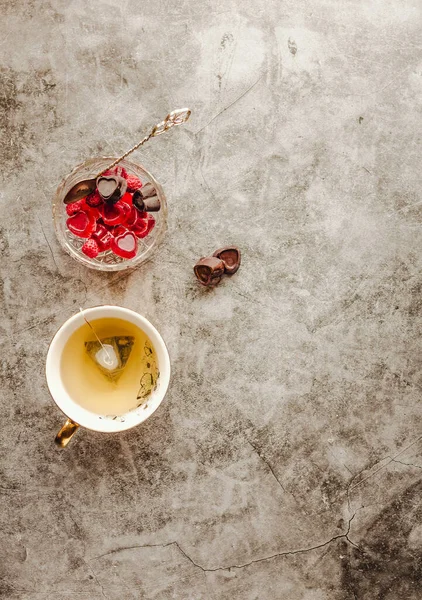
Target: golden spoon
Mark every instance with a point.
(85, 187)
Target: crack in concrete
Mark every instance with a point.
(391, 459)
(268, 465)
(340, 536)
(96, 580)
(407, 464)
(232, 103)
(48, 244)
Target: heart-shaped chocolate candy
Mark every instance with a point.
(209, 270)
(230, 255)
(146, 203)
(148, 190)
(152, 204)
(111, 187)
(138, 200)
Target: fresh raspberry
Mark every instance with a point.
(133, 183)
(94, 199)
(90, 248)
(74, 207)
(120, 171)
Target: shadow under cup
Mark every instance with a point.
(77, 414)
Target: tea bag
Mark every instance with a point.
(111, 354)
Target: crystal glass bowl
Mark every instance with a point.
(107, 261)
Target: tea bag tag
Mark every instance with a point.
(107, 358)
(111, 354)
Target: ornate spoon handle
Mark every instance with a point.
(176, 117)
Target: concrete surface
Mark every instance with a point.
(285, 463)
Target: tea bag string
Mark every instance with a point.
(109, 359)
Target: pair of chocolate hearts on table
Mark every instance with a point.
(209, 270)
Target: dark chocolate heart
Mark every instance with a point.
(209, 270)
(146, 199)
(107, 186)
(152, 204)
(148, 190)
(230, 255)
(111, 187)
(138, 200)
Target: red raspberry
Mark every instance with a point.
(74, 207)
(120, 171)
(133, 183)
(90, 248)
(93, 200)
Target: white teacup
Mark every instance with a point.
(80, 416)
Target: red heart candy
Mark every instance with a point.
(93, 210)
(100, 229)
(143, 226)
(127, 209)
(125, 244)
(103, 237)
(132, 217)
(104, 242)
(118, 230)
(81, 224)
(127, 198)
(114, 214)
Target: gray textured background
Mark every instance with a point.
(285, 462)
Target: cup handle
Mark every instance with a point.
(66, 432)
